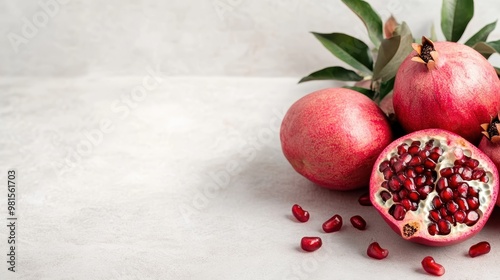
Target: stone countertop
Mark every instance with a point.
(155, 177)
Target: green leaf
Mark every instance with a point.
(498, 71)
(392, 52)
(368, 92)
(485, 48)
(386, 88)
(348, 49)
(455, 15)
(433, 33)
(481, 35)
(369, 17)
(333, 73)
(495, 45)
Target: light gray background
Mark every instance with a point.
(195, 37)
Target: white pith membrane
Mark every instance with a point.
(418, 220)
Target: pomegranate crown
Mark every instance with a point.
(427, 54)
(492, 129)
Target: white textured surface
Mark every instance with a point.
(194, 37)
(143, 202)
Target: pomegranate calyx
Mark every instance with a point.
(492, 129)
(427, 54)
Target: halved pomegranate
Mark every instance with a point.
(434, 187)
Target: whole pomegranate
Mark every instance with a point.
(333, 136)
(446, 85)
(434, 187)
(490, 144)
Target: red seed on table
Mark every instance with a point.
(479, 249)
(431, 267)
(358, 222)
(310, 244)
(365, 200)
(300, 214)
(333, 224)
(375, 251)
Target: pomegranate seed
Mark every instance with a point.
(446, 172)
(409, 184)
(406, 203)
(365, 200)
(310, 244)
(462, 204)
(471, 218)
(459, 216)
(455, 179)
(416, 143)
(420, 180)
(446, 195)
(462, 190)
(397, 211)
(441, 184)
(471, 191)
(432, 229)
(467, 173)
(333, 224)
(385, 164)
(479, 249)
(403, 148)
(410, 173)
(484, 179)
(415, 161)
(436, 202)
(429, 163)
(358, 222)
(419, 169)
(385, 195)
(375, 251)
(444, 227)
(424, 191)
(478, 173)
(413, 150)
(394, 184)
(452, 207)
(434, 156)
(414, 196)
(473, 202)
(434, 215)
(300, 214)
(472, 163)
(431, 267)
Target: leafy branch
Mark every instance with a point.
(392, 44)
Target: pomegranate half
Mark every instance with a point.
(446, 85)
(333, 136)
(433, 187)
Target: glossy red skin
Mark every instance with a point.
(333, 136)
(460, 94)
(422, 236)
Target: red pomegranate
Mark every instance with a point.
(446, 85)
(434, 187)
(333, 136)
(490, 143)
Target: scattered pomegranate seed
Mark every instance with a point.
(333, 224)
(431, 267)
(479, 249)
(365, 200)
(358, 222)
(300, 214)
(310, 244)
(375, 251)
